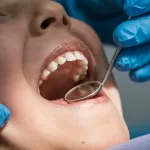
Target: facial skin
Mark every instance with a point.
(36, 123)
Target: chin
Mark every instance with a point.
(52, 63)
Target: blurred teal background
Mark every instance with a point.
(135, 100)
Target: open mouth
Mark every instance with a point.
(67, 68)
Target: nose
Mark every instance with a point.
(49, 16)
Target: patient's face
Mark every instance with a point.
(43, 54)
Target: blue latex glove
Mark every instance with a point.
(134, 35)
(140, 143)
(4, 115)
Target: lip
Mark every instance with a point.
(65, 47)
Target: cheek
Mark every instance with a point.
(11, 51)
(27, 115)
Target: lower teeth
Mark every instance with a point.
(78, 77)
(82, 77)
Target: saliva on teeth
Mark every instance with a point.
(77, 56)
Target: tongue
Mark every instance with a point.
(59, 82)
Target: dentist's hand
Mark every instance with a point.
(134, 37)
(4, 115)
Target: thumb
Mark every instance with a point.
(4, 115)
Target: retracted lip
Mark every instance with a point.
(65, 47)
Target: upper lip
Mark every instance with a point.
(62, 48)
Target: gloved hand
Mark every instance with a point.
(133, 35)
(4, 115)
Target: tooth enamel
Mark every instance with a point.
(40, 83)
(85, 73)
(60, 60)
(76, 78)
(52, 66)
(78, 55)
(81, 67)
(88, 89)
(82, 77)
(45, 74)
(85, 68)
(83, 62)
(81, 70)
(69, 56)
(82, 92)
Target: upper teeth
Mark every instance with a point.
(79, 74)
(52, 66)
(60, 60)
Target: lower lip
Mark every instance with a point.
(100, 98)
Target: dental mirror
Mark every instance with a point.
(89, 89)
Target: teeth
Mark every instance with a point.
(60, 60)
(81, 70)
(82, 92)
(45, 74)
(40, 83)
(83, 62)
(78, 55)
(52, 66)
(69, 56)
(85, 68)
(85, 73)
(76, 77)
(89, 89)
(82, 77)
(79, 73)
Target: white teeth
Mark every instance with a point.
(82, 77)
(60, 60)
(52, 66)
(84, 74)
(69, 56)
(40, 83)
(79, 72)
(85, 68)
(78, 55)
(76, 77)
(45, 74)
(83, 62)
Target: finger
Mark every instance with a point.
(133, 57)
(141, 75)
(4, 115)
(136, 7)
(133, 32)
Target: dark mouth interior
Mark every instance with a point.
(60, 82)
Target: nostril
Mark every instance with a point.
(65, 21)
(47, 22)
